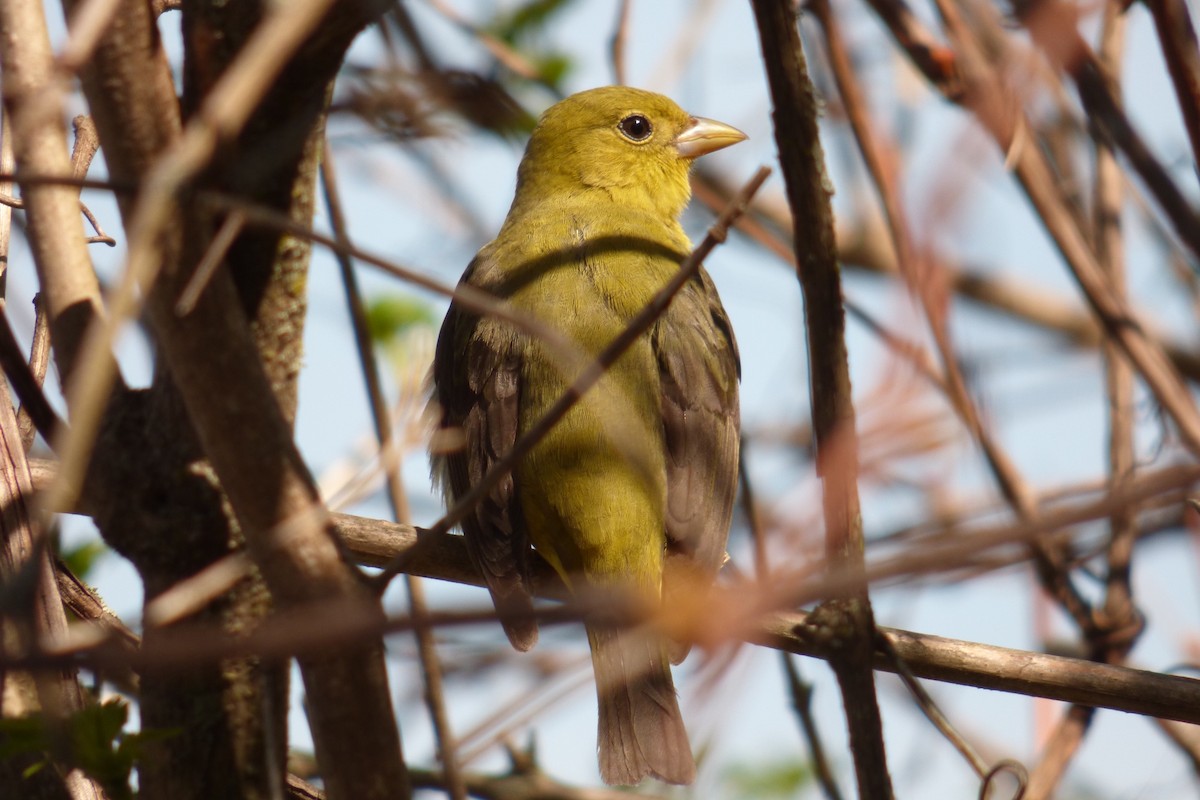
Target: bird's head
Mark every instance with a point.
(629, 145)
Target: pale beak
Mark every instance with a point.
(704, 136)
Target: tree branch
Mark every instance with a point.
(55, 231)
(850, 621)
(985, 95)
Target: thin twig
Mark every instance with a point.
(616, 44)
(1119, 617)
(7, 201)
(1052, 25)
(444, 557)
(26, 384)
(431, 668)
(934, 714)
(101, 237)
(801, 693)
(1177, 37)
(436, 555)
(214, 254)
(985, 96)
(39, 361)
(799, 689)
(1118, 608)
(319, 628)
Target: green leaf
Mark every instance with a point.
(96, 738)
(526, 19)
(389, 316)
(782, 778)
(22, 736)
(81, 559)
(553, 67)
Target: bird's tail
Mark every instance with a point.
(641, 729)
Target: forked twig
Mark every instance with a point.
(930, 709)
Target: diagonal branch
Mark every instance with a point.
(594, 371)
(863, 245)
(985, 97)
(55, 231)
(1052, 24)
(979, 89)
(917, 270)
(26, 569)
(1177, 35)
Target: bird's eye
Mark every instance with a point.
(635, 127)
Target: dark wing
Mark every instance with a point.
(477, 380)
(699, 370)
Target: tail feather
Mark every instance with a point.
(515, 609)
(641, 730)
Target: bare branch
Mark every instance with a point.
(801, 694)
(616, 44)
(26, 384)
(39, 361)
(26, 570)
(988, 99)
(850, 621)
(39, 143)
(431, 669)
(1052, 25)
(1177, 36)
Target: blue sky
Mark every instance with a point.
(1046, 404)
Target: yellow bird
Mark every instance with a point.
(592, 234)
